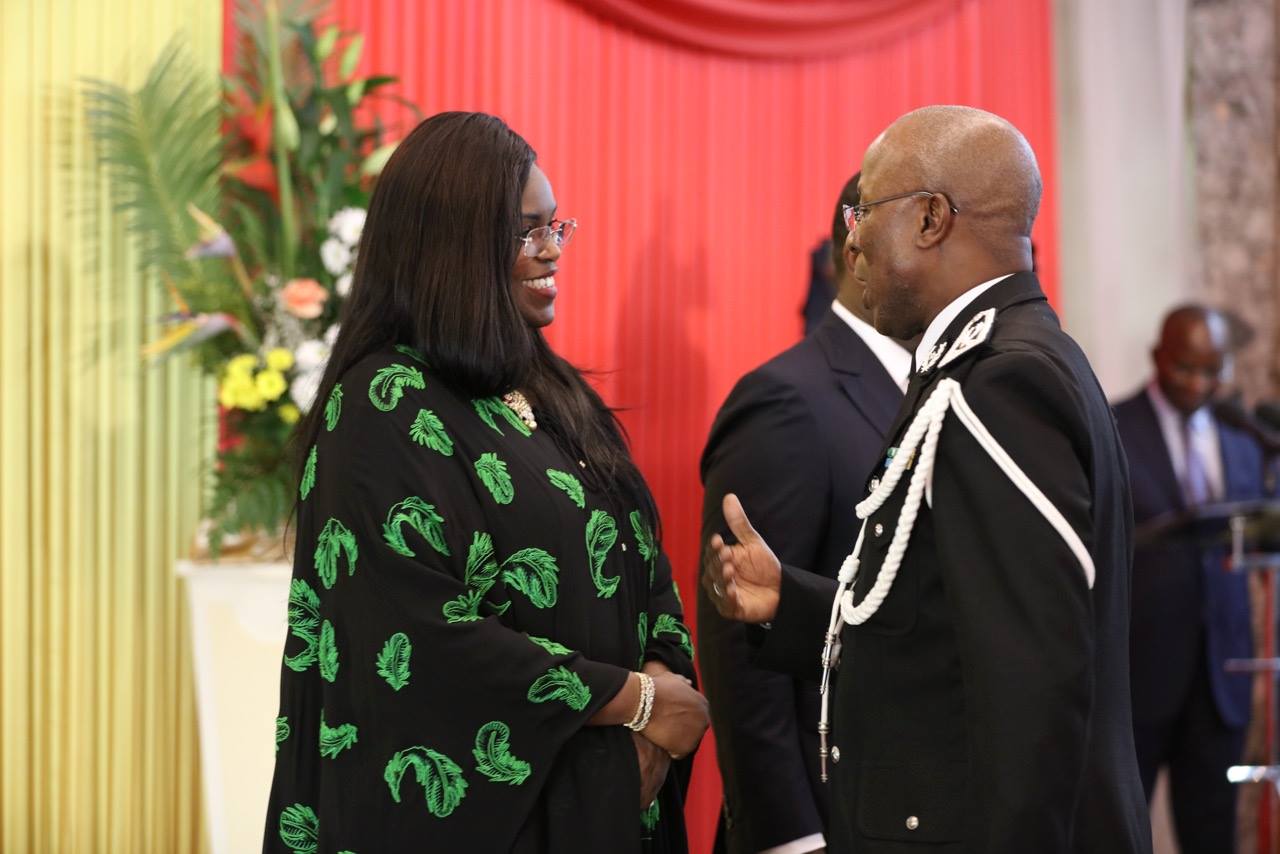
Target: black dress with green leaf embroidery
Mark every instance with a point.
(461, 605)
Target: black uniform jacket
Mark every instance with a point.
(985, 707)
(785, 442)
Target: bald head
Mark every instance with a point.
(1191, 356)
(969, 191)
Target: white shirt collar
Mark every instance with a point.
(940, 323)
(891, 354)
(1167, 412)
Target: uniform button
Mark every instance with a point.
(912, 822)
(582, 463)
(879, 529)
(624, 547)
(835, 754)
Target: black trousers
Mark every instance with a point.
(1198, 748)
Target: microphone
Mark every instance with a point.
(1232, 413)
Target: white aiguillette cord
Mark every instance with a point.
(921, 435)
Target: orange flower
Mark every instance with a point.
(304, 298)
(257, 173)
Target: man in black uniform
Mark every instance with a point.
(982, 701)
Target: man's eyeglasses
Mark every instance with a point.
(536, 240)
(853, 214)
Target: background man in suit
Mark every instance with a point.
(783, 440)
(1189, 615)
(981, 705)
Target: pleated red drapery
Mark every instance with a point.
(702, 158)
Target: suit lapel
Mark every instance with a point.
(861, 376)
(1156, 453)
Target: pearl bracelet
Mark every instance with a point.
(644, 710)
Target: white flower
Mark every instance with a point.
(311, 355)
(347, 224)
(336, 256)
(343, 286)
(331, 334)
(304, 387)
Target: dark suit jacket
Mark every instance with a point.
(1186, 608)
(988, 697)
(786, 442)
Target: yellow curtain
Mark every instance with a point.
(99, 460)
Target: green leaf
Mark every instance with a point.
(389, 383)
(482, 568)
(602, 533)
(427, 429)
(377, 160)
(465, 608)
(642, 629)
(644, 536)
(411, 352)
(551, 646)
(440, 778)
(494, 758)
(286, 126)
(666, 624)
(393, 661)
(334, 740)
(304, 621)
(571, 486)
(560, 683)
(300, 829)
(333, 408)
(649, 818)
(282, 731)
(351, 57)
(334, 540)
(421, 517)
(308, 475)
(328, 653)
(326, 43)
(355, 91)
(534, 573)
(489, 407)
(493, 473)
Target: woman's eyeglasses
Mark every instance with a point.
(536, 240)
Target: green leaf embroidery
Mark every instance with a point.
(493, 473)
(571, 485)
(334, 740)
(465, 608)
(421, 517)
(482, 568)
(410, 352)
(649, 818)
(642, 630)
(335, 539)
(304, 621)
(493, 755)
(282, 731)
(308, 475)
(440, 778)
(333, 409)
(300, 829)
(551, 646)
(428, 430)
(328, 653)
(488, 407)
(675, 588)
(534, 573)
(560, 683)
(644, 537)
(389, 383)
(669, 625)
(602, 533)
(393, 661)
(497, 609)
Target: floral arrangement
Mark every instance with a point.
(246, 195)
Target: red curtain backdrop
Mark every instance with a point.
(702, 157)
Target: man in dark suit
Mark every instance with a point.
(783, 440)
(981, 702)
(1189, 615)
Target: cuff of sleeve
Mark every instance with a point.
(798, 846)
(794, 643)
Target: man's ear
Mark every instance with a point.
(936, 221)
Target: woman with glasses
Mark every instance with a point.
(486, 649)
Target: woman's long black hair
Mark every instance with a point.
(434, 272)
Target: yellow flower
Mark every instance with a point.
(270, 384)
(233, 388)
(242, 365)
(279, 359)
(289, 414)
(251, 399)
